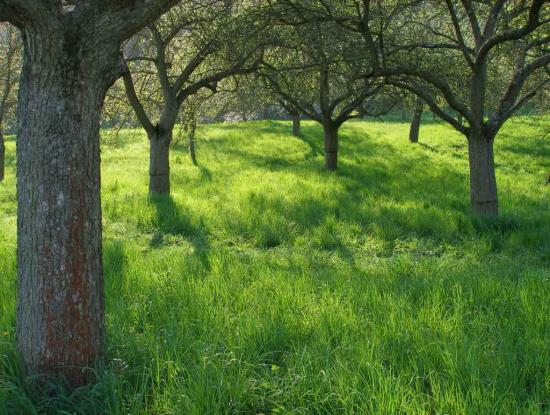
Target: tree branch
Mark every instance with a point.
(135, 102)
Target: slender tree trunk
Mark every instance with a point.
(483, 185)
(331, 147)
(2, 156)
(159, 161)
(416, 120)
(192, 152)
(60, 306)
(192, 129)
(296, 125)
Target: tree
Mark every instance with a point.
(10, 47)
(498, 48)
(417, 111)
(71, 57)
(189, 120)
(315, 72)
(294, 114)
(479, 58)
(188, 50)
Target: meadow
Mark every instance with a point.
(266, 285)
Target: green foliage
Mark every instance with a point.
(266, 285)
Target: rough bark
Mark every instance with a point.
(2, 156)
(60, 307)
(159, 161)
(331, 147)
(71, 58)
(415, 122)
(483, 185)
(296, 125)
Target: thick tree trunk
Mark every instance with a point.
(331, 147)
(2, 156)
(60, 306)
(483, 185)
(415, 122)
(296, 125)
(159, 161)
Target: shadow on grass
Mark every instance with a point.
(401, 194)
(541, 149)
(172, 221)
(309, 135)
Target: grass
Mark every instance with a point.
(265, 285)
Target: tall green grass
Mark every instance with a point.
(266, 285)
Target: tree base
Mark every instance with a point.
(483, 185)
(485, 209)
(159, 185)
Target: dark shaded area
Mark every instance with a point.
(173, 220)
(309, 135)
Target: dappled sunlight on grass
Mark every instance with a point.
(266, 285)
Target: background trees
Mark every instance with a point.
(476, 57)
(10, 49)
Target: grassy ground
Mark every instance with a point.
(268, 286)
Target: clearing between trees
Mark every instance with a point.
(265, 284)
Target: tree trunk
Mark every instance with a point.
(483, 185)
(296, 125)
(159, 161)
(2, 156)
(415, 123)
(192, 152)
(331, 147)
(60, 306)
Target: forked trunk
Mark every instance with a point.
(2, 156)
(159, 161)
(331, 147)
(60, 307)
(415, 122)
(483, 185)
(296, 125)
